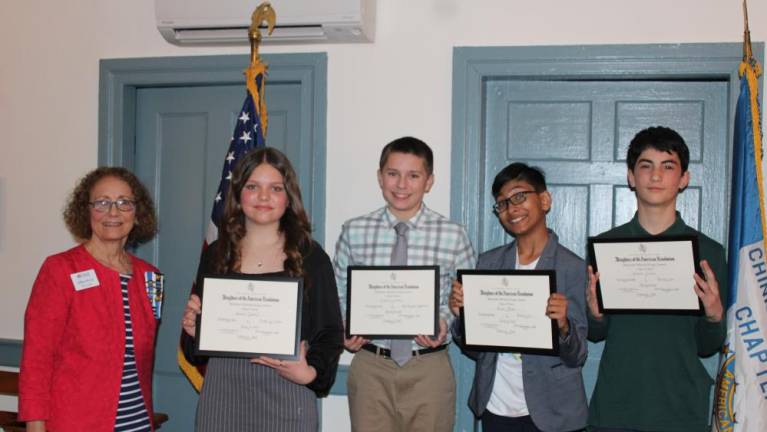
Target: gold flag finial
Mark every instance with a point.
(263, 13)
(748, 55)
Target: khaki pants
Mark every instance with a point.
(418, 397)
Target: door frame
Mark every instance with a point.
(119, 80)
(473, 66)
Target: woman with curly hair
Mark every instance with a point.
(265, 231)
(91, 320)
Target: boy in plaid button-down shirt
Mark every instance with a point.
(419, 395)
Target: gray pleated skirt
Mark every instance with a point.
(239, 396)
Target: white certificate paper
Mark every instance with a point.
(646, 275)
(506, 310)
(250, 316)
(392, 302)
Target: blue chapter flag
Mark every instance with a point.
(249, 133)
(741, 388)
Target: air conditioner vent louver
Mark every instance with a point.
(206, 22)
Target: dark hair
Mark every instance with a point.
(519, 171)
(294, 223)
(77, 215)
(412, 146)
(660, 138)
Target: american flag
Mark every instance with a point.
(249, 133)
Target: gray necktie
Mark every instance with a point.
(401, 349)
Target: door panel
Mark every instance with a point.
(578, 133)
(182, 135)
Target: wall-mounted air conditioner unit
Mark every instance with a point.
(202, 22)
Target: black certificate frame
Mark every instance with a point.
(552, 283)
(235, 353)
(693, 240)
(350, 270)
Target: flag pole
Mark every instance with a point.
(747, 53)
(249, 133)
(263, 13)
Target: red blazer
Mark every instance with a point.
(74, 343)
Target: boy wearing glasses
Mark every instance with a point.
(650, 377)
(403, 385)
(531, 392)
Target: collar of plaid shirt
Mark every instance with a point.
(413, 222)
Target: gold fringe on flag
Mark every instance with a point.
(753, 70)
(192, 374)
(250, 74)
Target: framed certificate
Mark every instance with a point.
(505, 310)
(646, 275)
(392, 302)
(249, 315)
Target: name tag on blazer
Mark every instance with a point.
(84, 279)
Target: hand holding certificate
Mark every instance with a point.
(392, 302)
(506, 311)
(248, 315)
(646, 275)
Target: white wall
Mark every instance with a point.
(399, 85)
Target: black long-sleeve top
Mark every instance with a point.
(321, 324)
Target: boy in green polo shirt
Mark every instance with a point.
(650, 376)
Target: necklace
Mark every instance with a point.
(264, 261)
(264, 256)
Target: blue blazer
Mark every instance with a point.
(554, 390)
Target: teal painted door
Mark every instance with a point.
(578, 133)
(182, 135)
